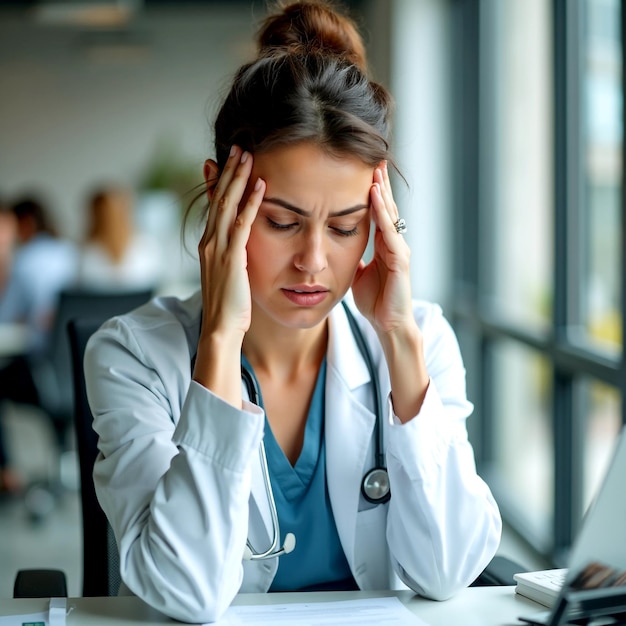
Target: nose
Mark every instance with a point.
(311, 254)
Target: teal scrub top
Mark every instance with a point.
(303, 506)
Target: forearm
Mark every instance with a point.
(408, 375)
(182, 526)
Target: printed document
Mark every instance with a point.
(366, 612)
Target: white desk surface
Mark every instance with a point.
(475, 606)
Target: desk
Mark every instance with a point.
(475, 606)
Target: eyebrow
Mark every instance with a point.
(299, 211)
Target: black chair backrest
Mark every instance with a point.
(79, 303)
(100, 554)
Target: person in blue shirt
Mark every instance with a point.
(40, 266)
(203, 474)
(43, 264)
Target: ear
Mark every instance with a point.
(211, 175)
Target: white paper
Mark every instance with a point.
(366, 612)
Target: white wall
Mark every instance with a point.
(67, 122)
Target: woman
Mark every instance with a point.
(114, 256)
(301, 173)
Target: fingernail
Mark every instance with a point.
(257, 185)
(244, 157)
(233, 149)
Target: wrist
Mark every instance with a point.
(218, 365)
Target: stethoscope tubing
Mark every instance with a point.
(374, 493)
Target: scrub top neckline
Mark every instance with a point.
(298, 476)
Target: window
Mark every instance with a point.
(539, 270)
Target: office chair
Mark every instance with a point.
(101, 571)
(52, 377)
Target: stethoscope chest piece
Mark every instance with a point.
(375, 486)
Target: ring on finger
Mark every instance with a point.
(400, 226)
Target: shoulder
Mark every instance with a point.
(428, 315)
(163, 330)
(440, 341)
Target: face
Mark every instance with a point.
(310, 232)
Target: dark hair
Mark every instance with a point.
(309, 82)
(34, 209)
(315, 25)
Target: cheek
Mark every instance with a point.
(358, 247)
(253, 248)
(263, 255)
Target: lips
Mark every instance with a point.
(306, 295)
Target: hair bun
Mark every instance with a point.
(312, 26)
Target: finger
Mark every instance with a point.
(381, 215)
(385, 223)
(382, 178)
(228, 204)
(245, 218)
(222, 184)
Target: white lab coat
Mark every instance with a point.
(179, 476)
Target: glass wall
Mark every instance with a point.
(517, 128)
(601, 121)
(539, 267)
(523, 428)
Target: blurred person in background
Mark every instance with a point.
(37, 265)
(8, 238)
(114, 254)
(43, 265)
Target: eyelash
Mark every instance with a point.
(339, 231)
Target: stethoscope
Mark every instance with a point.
(375, 485)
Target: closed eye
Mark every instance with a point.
(279, 226)
(346, 233)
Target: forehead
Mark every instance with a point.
(305, 171)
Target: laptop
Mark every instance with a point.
(596, 572)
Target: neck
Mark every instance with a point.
(285, 351)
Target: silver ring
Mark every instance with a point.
(400, 226)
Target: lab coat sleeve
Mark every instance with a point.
(173, 477)
(444, 525)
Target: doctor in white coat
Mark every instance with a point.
(189, 490)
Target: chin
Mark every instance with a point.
(302, 317)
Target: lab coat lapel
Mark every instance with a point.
(260, 528)
(348, 429)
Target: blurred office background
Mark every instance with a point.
(509, 131)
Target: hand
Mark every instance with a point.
(382, 291)
(226, 296)
(382, 288)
